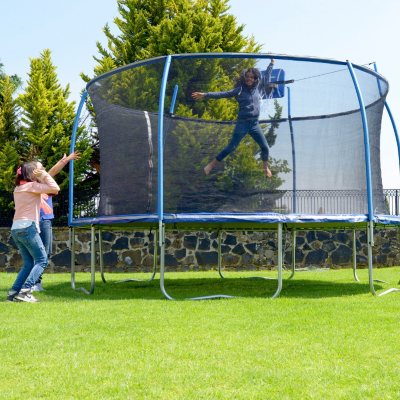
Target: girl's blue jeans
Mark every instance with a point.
(242, 128)
(33, 255)
(46, 234)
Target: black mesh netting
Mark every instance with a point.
(317, 152)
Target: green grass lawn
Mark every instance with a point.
(325, 337)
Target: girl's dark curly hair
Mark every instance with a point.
(255, 71)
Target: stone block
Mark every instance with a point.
(204, 244)
(120, 244)
(179, 254)
(251, 248)
(190, 242)
(230, 240)
(3, 248)
(239, 249)
(110, 259)
(63, 258)
(342, 255)
(316, 257)
(207, 257)
(108, 236)
(171, 261)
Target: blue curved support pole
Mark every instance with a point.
(394, 129)
(370, 228)
(71, 163)
(294, 202)
(294, 205)
(160, 200)
(71, 198)
(160, 135)
(367, 153)
(396, 133)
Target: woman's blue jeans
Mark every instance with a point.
(46, 234)
(33, 255)
(242, 128)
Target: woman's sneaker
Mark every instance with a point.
(11, 295)
(26, 296)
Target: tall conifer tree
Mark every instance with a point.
(151, 28)
(9, 133)
(47, 118)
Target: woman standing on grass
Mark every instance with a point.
(47, 215)
(31, 182)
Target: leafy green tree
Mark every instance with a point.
(9, 134)
(154, 28)
(150, 28)
(47, 119)
(9, 144)
(15, 79)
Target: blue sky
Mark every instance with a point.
(361, 31)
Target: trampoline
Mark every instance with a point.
(321, 119)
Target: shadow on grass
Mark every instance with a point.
(181, 289)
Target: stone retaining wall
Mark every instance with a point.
(133, 251)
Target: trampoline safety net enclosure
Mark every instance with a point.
(311, 118)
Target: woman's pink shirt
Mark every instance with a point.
(27, 197)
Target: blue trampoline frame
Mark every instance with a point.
(230, 221)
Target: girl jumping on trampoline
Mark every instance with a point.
(248, 93)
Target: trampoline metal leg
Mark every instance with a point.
(370, 236)
(92, 262)
(370, 243)
(72, 246)
(155, 256)
(101, 259)
(93, 259)
(355, 257)
(220, 254)
(161, 240)
(280, 262)
(293, 254)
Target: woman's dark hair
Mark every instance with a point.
(25, 172)
(255, 71)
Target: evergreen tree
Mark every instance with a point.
(9, 130)
(15, 79)
(9, 134)
(150, 28)
(47, 119)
